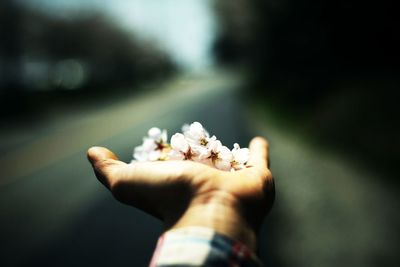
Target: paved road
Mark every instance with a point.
(329, 211)
(52, 208)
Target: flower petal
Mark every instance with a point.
(200, 152)
(179, 143)
(164, 136)
(240, 155)
(154, 133)
(224, 165)
(225, 154)
(154, 155)
(175, 155)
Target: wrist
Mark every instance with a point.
(221, 212)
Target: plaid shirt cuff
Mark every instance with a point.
(200, 246)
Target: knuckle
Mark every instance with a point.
(106, 172)
(117, 179)
(116, 188)
(105, 167)
(101, 164)
(265, 173)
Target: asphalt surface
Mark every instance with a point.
(53, 210)
(329, 209)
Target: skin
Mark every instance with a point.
(186, 193)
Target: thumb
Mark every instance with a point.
(104, 163)
(259, 153)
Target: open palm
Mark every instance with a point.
(185, 193)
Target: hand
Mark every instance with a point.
(186, 193)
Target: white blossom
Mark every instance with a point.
(240, 156)
(198, 139)
(220, 155)
(195, 144)
(185, 128)
(158, 135)
(152, 146)
(196, 134)
(180, 148)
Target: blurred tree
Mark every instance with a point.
(304, 45)
(113, 57)
(332, 64)
(10, 45)
(109, 56)
(43, 56)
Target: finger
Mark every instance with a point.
(259, 152)
(104, 163)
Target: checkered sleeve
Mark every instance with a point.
(198, 246)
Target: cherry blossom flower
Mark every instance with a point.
(196, 134)
(195, 144)
(147, 151)
(240, 156)
(153, 146)
(185, 128)
(157, 135)
(220, 155)
(180, 148)
(199, 140)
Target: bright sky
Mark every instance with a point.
(183, 28)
